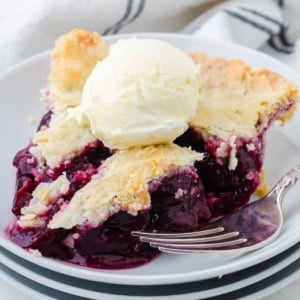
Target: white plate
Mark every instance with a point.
(19, 91)
(24, 287)
(27, 291)
(195, 290)
(283, 281)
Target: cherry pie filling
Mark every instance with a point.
(184, 200)
(226, 189)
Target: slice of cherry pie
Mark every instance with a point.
(238, 106)
(78, 200)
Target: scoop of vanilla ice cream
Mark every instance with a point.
(144, 92)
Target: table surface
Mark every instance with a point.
(291, 293)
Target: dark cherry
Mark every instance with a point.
(45, 120)
(25, 163)
(179, 203)
(225, 189)
(191, 138)
(49, 242)
(111, 244)
(28, 177)
(24, 188)
(80, 169)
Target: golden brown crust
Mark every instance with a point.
(122, 184)
(288, 115)
(73, 58)
(62, 140)
(236, 98)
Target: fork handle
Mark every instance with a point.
(287, 181)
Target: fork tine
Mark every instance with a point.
(214, 238)
(210, 251)
(178, 235)
(198, 246)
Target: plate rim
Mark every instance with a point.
(267, 291)
(75, 290)
(22, 288)
(101, 275)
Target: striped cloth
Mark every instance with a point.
(31, 26)
(270, 26)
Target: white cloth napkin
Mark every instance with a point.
(270, 26)
(31, 26)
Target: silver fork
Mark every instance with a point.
(245, 229)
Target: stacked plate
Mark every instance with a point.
(200, 276)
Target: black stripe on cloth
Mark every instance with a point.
(282, 28)
(283, 38)
(123, 19)
(258, 13)
(281, 3)
(136, 15)
(274, 45)
(263, 28)
(250, 22)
